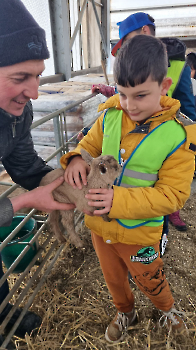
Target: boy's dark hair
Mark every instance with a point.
(140, 57)
(191, 60)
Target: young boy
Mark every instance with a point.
(181, 88)
(140, 127)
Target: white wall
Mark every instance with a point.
(40, 11)
(125, 4)
(176, 21)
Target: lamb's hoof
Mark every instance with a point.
(77, 242)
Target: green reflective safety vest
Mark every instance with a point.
(142, 167)
(174, 71)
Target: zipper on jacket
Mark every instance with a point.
(14, 128)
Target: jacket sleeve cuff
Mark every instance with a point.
(65, 159)
(6, 212)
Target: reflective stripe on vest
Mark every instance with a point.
(174, 71)
(142, 167)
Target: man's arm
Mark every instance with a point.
(23, 164)
(40, 198)
(184, 93)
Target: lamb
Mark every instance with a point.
(103, 172)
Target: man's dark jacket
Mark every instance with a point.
(18, 156)
(17, 152)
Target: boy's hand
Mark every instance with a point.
(76, 172)
(101, 197)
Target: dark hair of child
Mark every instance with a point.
(191, 60)
(140, 57)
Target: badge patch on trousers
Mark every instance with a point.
(145, 255)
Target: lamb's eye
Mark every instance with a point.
(102, 168)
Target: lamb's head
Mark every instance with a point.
(105, 167)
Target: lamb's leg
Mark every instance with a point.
(54, 224)
(67, 220)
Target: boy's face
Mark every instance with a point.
(143, 100)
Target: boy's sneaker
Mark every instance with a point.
(177, 222)
(116, 331)
(173, 320)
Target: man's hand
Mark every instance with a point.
(76, 172)
(41, 198)
(101, 197)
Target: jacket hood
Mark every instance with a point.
(175, 48)
(170, 105)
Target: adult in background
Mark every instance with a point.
(23, 50)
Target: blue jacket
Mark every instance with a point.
(184, 93)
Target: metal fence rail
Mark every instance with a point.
(62, 147)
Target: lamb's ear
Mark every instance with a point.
(86, 156)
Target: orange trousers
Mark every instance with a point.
(145, 266)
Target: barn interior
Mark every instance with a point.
(60, 282)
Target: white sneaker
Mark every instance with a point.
(173, 320)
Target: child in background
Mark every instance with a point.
(191, 61)
(142, 129)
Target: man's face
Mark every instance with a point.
(141, 101)
(18, 84)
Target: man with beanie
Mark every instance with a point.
(23, 50)
(178, 70)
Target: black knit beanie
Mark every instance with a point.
(21, 38)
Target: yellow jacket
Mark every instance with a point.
(170, 191)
